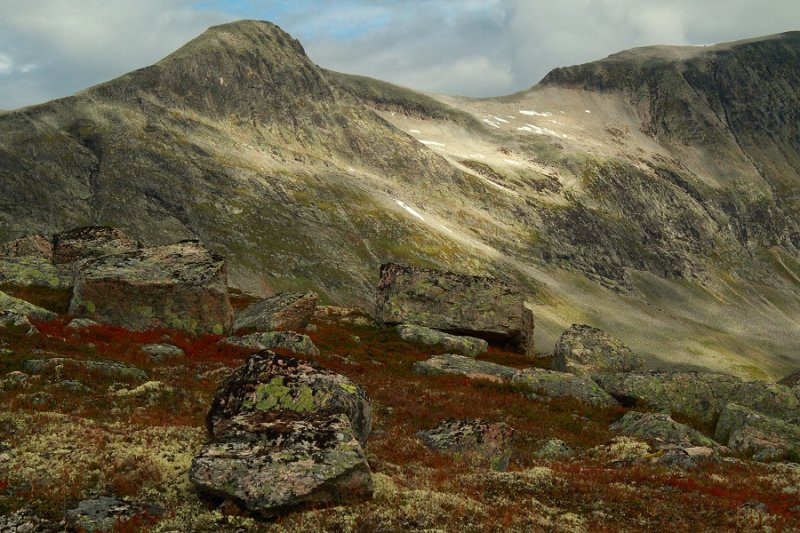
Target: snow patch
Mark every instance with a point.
(430, 143)
(542, 131)
(410, 210)
(498, 119)
(414, 131)
(534, 113)
(491, 123)
(587, 111)
(479, 156)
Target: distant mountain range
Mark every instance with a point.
(654, 193)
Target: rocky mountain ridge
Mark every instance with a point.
(638, 193)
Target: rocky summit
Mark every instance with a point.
(240, 292)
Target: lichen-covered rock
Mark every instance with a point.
(287, 340)
(159, 352)
(554, 449)
(270, 465)
(150, 393)
(20, 307)
(34, 271)
(177, 286)
(81, 323)
(489, 442)
(478, 306)
(661, 428)
(469, 346)
(700, 396)
(33, 246)
(560, 384)
(105, 513)
(91, 241)
(60, 366)
(583, 350)
(285, 388)
(756, 435)
(285, 311)
(465, 366)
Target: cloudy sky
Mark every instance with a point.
(53, 48)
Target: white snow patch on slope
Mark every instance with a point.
(430, 143)
(587, 111)
(479, 156)
(491, 123)
(410, 210)
(541, 131)
(498, 119)
(534, 113)
(414, 131)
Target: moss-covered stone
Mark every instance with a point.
(465, 366)
(756, 435)
(469, 346)
(584, 350)
(560, 384)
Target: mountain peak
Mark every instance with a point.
(251, 69)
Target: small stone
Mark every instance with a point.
(160, 352)
(469, 346)
(555, 449)
(489, 443)
(285, 311)
(81, 323)
(583, 350)
(464, 366)
(286, 340)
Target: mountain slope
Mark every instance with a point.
(640, 193)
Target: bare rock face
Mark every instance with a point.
(37, 246)
(756, 435)
(178, 286)
(285, 311)
(286, 434)
(469, 346)
(285, 387)
(271, 466)
(583, 350)
(91, 241)
(560, 384)
(489, 442)
(478, 306)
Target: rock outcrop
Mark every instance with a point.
(178, 286)
(583, 350)
(758, 436)
(701, 396)
(286, 434)
(489, 443)
(63, 366)
(286, 340)
(37, 246)
(285, 311)
(553, 384)
(478, 306)
(469, 346)
(660, 428)
(91, 241)
(464, 366)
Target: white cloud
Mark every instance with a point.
(6, 64)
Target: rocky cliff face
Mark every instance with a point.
(653, 193)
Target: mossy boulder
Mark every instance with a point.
(270, 466)
(758, 436)
(485, 442)
(285, 388)
(469, 346)
(64, 366)
(701, 396)
(285, 311)
(483, 307)
(464, 366)
(660, 428)
(554, 384)
(33, 271)
(18, 307)
(286, 340)
(90, 241)
(583, 350)
(177, 286)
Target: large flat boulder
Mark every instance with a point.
(285, 311)
(660, 428)
(477, 306)
(756, 435)
(464, 366)
(469, 346)
(583, 350)
(177, 286)
(286, 340)
(554, 384)
(34, 271)
(288, 388)
(270, 466)
(91, 241)
(701, 396)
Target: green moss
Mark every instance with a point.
(276, 395)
